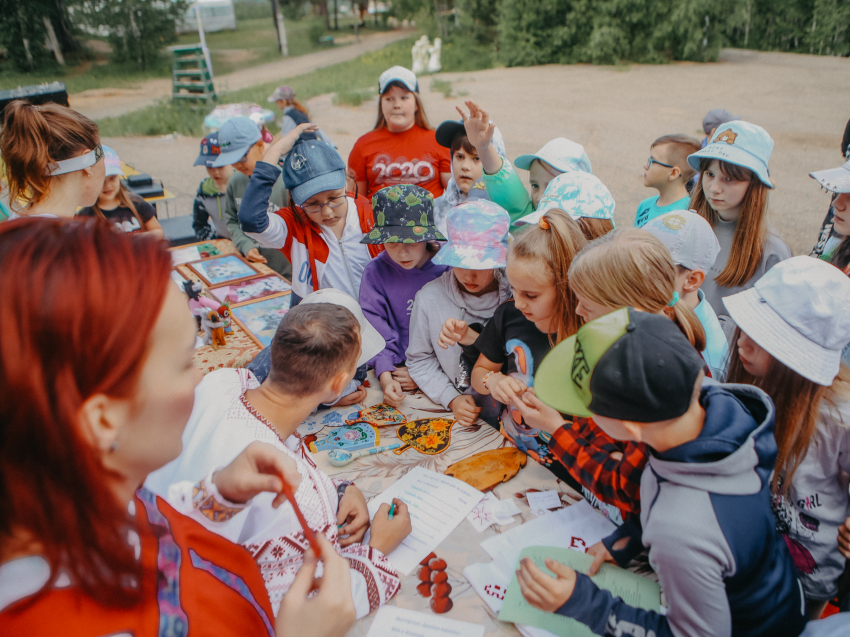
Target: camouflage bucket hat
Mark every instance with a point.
(403, 214)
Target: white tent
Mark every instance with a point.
(216, 15)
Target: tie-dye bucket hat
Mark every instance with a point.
(403, 214)
(579, 194)
(478, 236)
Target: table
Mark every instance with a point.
(240, 349)
(373, 474)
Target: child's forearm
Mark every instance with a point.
(478, 374)
(253, 210)
(491, 162)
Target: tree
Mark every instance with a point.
(138, 29)
(23, 31)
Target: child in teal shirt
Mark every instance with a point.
(667, 171)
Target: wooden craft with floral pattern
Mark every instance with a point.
(430, 436)
(380, 415)
(351, 438)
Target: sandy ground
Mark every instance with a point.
(111, 102)
(615, 113)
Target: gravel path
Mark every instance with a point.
(615, 113)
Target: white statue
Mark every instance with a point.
(434, 64)
(420, 54)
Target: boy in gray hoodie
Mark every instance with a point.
(454, 308)
(706, 516)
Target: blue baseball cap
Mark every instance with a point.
(210, 150)
(311, 167)
(560, 153)
(398, 75)
(235, 138)
(740, 143)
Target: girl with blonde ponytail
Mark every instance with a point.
(523, 330)
(631, 268)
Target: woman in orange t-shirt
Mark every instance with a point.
(403, 148)
(96, 385)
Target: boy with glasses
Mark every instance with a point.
(667, 171)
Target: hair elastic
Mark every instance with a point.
(544, 223)
(675, 300)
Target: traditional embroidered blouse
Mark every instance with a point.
(222, 424)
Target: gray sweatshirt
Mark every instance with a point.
(433, 368)
(775, 250)
(817, 502)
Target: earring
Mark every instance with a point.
(113, 447)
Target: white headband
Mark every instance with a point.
(71, 165)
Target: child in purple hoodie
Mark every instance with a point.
(404, 223)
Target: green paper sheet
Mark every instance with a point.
(634, 589)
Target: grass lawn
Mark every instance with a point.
(354, 75)
(254, 42)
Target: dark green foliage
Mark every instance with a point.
(138, 29)
(25, 20)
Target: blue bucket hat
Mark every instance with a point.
(740, 143)
(210, 150)
(577, 193)
(560, 153)
(235, 138)
(311, 167)
(478, 236)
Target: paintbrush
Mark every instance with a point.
(308, 532)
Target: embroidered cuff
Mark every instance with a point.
(210, 503)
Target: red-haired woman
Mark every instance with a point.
(96, 385)
(53, 160)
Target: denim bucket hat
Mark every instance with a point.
(311, 167)
(742, 144)
(478, 236)
(235, 138)
(579, 194)
(403, 214)
(560, 153)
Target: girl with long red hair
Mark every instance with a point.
(96, 385)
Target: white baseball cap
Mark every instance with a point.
(399, 74)
(688, 236)
(371, 342)
(833, 179)
(560, 153)
(799, 312)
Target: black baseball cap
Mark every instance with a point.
(447, 131)
(628, 365)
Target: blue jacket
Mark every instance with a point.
(707, 522)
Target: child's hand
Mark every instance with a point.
(254, 255)
(600, 554)
(479, 130)
(393, 392)
(352, 398)
(256, 470)
(506, 389)
(388, 534)
(465, 410)
(844, 538)
(353, 514)
(285, 143)
(544, 592)
(402, 376)
(538, 415)
(329, 613)
(455, 331)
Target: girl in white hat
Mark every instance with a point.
(792, 327)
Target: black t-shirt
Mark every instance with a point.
(123, 217)
(512, 340)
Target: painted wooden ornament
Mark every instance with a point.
(351, 438)
(430, 436)
(314, 423)
(381, 415)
